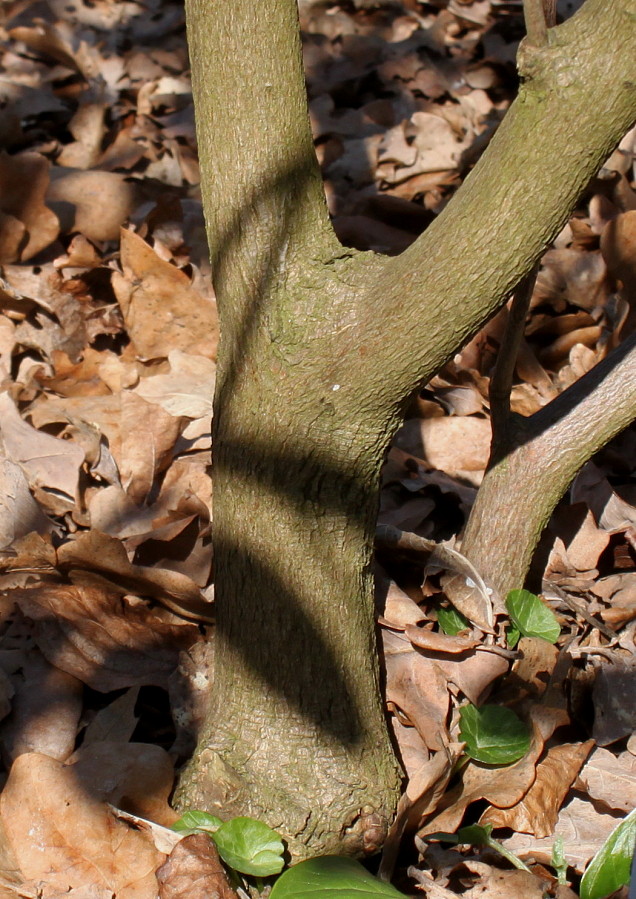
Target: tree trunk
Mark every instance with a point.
(312, 373)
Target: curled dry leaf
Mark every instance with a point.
(65, 839)
(418, 687)
(99, 554)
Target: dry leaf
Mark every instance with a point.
(52, 466)
(609, 779)
(66, 839)
(46, 711)
(27, 225)
(162, 310)
(88, 632)
(538, 811)
(194, 871)
(136, 777)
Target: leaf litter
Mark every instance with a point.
(108, 332)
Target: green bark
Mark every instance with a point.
(313, 371)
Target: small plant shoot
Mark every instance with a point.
(331, 877)
(493, 734)
(531, 617)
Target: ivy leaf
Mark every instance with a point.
(250, 847)
(331, 877)
(531, 616)
(451, 621)
(610, 868)
(493, 734)
(512, 636)
(196, 822)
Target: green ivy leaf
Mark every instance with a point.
(493, 734)
(512, 636)
(531, 616)
(610, 868)
(250, 847)
(196, 822)
(451, 621)
(333, 878)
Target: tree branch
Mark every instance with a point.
(503, 374)
(536, 26)
(510, 512)
(551, 142)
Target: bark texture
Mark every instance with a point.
(312, 376)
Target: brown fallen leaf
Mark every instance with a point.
(46, 711)
(19, 513)
(609, 779)
(92, 202)
(194, 871)
(584, 830)
(92, 553)
(65, 839)
(108, 644)
(503, 787)
(136, 777)
(418, 687)
(52, 466)
(162, 310)
(538, 811)
(27, 225)
(116, 722)
(437, 641)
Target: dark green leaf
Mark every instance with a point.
(250, 847)
(512, 636)
(194, 822)
(531, 616)
(493, 734)
(609, 869)
(451, 621)
(331, 877)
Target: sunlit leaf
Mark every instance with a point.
(610, 868)
(250, 846)
(331, 877)
(531, 616)
(196, 822)
(493, 734)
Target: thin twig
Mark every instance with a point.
(539, 16)
(503, 374)
(536, 28)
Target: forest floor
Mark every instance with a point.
(108, 335)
